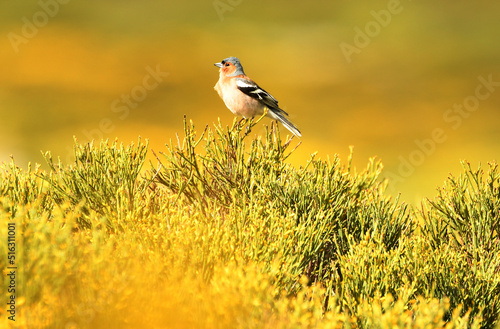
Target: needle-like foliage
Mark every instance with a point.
(222, 231)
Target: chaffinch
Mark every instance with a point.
(244, 97)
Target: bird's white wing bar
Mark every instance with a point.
(251, 89)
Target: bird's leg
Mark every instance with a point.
(241, 120)
(248, 129)
(252, 122)
(240, 124)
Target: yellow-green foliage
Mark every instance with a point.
(223, 234)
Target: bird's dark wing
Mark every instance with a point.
(253, 90)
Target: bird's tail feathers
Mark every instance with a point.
(277, 114)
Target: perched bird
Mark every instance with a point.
(244, 97)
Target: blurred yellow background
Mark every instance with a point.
(414, 83)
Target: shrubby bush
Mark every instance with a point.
(221, 232)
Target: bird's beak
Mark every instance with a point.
(218, 64)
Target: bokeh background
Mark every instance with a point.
(387, 77)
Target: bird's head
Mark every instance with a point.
(230, 66)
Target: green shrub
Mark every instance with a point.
(324, 204)
(224, 233)
(465, 219)
(22, 188)
(104, 179)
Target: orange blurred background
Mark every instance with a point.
(414, 83)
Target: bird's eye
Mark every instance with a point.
(227, 64)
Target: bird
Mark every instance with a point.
(245, 98)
